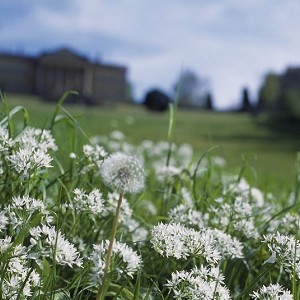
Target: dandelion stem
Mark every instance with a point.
(102, 288)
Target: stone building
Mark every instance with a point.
(51, 74)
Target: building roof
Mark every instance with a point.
(66, 57)
(63, 57)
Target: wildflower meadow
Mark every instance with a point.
(113, 220)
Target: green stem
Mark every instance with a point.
(102, 289)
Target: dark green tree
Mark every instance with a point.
(269, 92)
(209, 105)
(246, 105)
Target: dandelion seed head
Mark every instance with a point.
(123, 173)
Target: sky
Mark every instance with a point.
(231, 43)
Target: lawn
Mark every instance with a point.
(241, 138)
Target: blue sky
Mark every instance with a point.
(233, 43)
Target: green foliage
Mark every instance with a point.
(291, 104)
(280, 95)
(270, 91)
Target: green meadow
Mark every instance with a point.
(244, 140)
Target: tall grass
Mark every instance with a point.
(156, 220)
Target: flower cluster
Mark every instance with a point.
(199, 283)
(187, 216)
(92, 202)
(51, 243)
(285, 250)
(242, 213)
(29, 152)
(130, 261)
(19, 277)
(93, 158)
(272, 292)
(179, 241)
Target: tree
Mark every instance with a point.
(129, 98)
(246, 105)
(192, 90)
(156, 100)
(209, 105)
(290, 105)
(269, 92)
(280, 94)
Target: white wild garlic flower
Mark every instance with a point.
(36, 138)
(228, 246)
(288, 223)
(239, 215)
(3, 220)
(94, 155)
(18, 279)
(123, 173)
(5, 141)
(117, 135)
(272, 292)
(72, 155)
(27, 162)
(187, 216)
(128, 261)
(54, 242)
(5, 244)
(28, 204)
(198, 284)
(92, 202)
(178, 241)
(285, 250)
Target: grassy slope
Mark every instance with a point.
(238, 135)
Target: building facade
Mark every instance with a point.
(51, 74)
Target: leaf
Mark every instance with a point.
(116, 289)
(137, 287)
(58, 106)
(62, 295)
